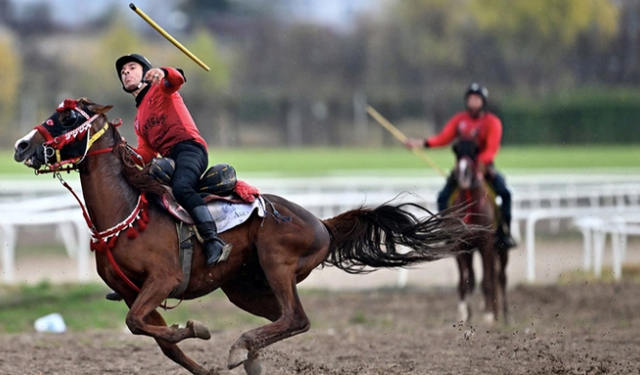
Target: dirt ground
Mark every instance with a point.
(579, 328)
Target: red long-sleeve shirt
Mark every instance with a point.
(486, 130)
(163, 120)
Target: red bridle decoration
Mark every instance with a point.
(55, 144)
(104, 241)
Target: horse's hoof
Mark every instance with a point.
(200, 330)
(489, 318)
(253, 365)
(237, 356)
(463, 312)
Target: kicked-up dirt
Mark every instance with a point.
(562, 329)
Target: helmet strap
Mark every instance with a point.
(131, 91)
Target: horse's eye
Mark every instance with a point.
(68, 119)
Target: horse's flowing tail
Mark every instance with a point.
(370, 237)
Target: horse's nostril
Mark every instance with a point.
(23, 145)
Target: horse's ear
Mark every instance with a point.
(99, 108)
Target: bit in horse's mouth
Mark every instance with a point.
(32, 162)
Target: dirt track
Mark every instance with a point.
(572, 329)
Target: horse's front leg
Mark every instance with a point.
(489, 280)
(465, 285)
(172, 351)
(150, 297)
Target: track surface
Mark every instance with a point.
(569, 329)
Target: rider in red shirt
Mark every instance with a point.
(164, 126)
(486, 128)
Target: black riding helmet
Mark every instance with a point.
(146, 66)
(478, 90)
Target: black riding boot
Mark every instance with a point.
(215, 249)
(504, 234)
(114, 296)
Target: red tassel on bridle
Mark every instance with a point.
(67, 104)
(132, 233)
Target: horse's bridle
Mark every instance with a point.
(53, 145)
(101, 241)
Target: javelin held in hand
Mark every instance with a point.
(403, 138)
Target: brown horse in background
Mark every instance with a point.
(269, 257)
(475, 195)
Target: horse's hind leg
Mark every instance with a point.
(465, 285)
(258, 299)
(283, 306)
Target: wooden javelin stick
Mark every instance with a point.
(168, 37)
(403, 138)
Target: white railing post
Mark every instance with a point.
(599, 243)
(8, 252)
(531, 251)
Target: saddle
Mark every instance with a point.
(230, 201)
(218, 184)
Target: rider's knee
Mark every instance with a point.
(181, 188)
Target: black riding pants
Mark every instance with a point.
(191, 162)
(499, 185)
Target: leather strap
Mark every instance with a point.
(185, 235)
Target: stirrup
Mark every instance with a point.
(224, 252)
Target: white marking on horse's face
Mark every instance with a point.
(464, 174)
(464, 164)
(26, 138)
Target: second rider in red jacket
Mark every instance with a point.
(486, 129)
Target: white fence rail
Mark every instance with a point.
(595, 231)
(537, 198)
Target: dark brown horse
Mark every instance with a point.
(269, 257)
(478, 199)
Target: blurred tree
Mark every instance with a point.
(417, 48)
(202, 7)
(91, 61)
(119, 39)
(203, 44)
(10, 76)
(204, 90)
(555, 22)
(536, 37)
(6, 11)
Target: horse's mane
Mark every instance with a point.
(138, 178)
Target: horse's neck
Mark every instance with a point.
(107, 194)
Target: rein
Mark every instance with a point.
(105, 241)
(101, 241)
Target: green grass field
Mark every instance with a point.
(319, 161)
